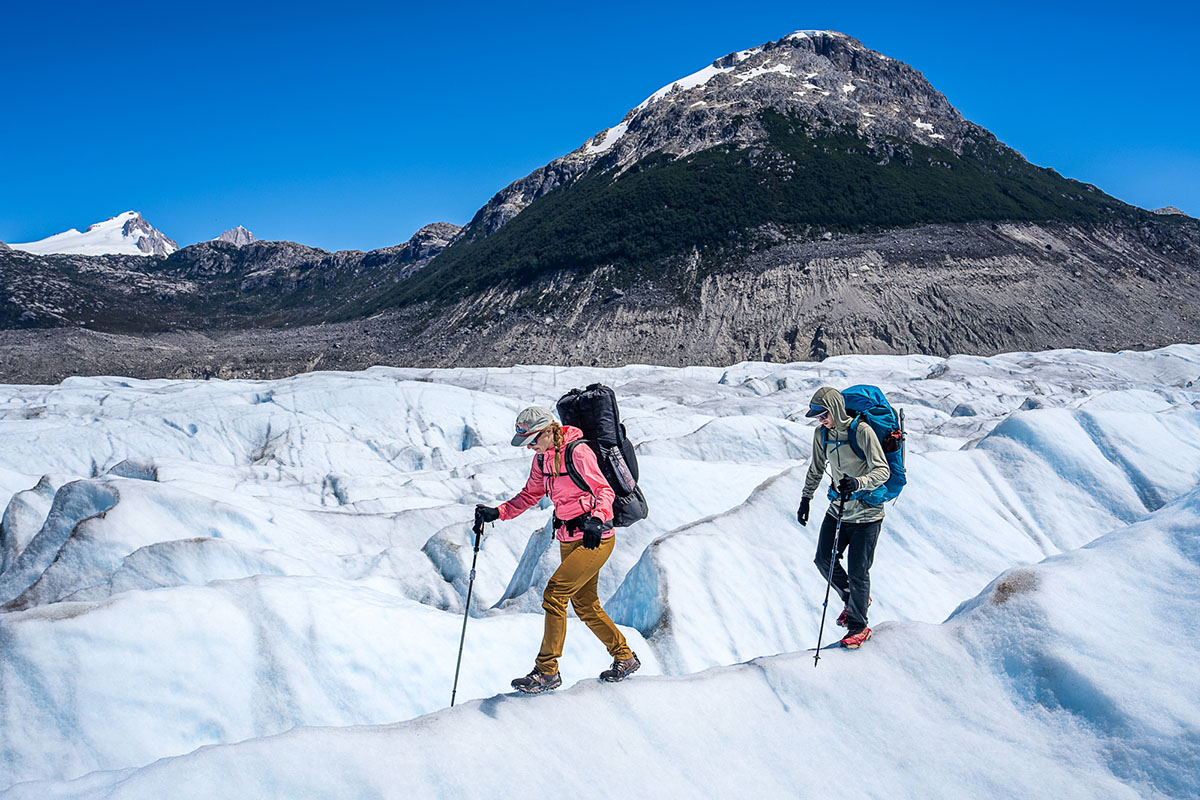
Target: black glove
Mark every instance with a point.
(847, 485)
(485, 514)
(592, 529)
(802, 512)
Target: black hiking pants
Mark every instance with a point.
(854, 587)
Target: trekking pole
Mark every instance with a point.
(478, 529)
(837, 532)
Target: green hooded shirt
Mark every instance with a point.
(833, 449)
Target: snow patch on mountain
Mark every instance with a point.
(782, 69)
(607, 138)
(729, 64)
(125, 234)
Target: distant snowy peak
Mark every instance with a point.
(238, 236)
(124, 234)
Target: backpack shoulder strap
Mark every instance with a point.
(573, 471)
(852, 437)
(576, 477)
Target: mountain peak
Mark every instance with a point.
(125, 234)
(827, 78)
(824, 81)
(238, 236)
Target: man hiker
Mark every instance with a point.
(853, 477)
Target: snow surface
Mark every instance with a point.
(256, 589)
(103, 238)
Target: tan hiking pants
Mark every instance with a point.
(576, 580)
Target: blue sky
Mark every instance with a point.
(350, 125)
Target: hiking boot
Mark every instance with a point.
(536, 683)
(855, 639)
(842, 617)
(620, 670)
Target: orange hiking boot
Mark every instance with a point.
(855, 639)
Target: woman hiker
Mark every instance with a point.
(583, 527)
(853, 476)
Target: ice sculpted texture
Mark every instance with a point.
(219, 562)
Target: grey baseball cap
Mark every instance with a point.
(530, 423)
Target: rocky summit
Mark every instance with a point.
(237, 236)
(824, 81)
(801, 199)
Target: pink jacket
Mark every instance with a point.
(569, 501)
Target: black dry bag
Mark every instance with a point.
(594, 411)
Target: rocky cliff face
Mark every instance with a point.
(430, 240)
(237, 236)
(149, 239)
(212, 285)
(105, 291)
(425, 245)
(941, 289)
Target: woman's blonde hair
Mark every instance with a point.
(559, 436)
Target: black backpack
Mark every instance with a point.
(594, 411)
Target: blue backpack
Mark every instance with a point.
(867, 404)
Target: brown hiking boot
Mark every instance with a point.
(620, 670)
(536, 683)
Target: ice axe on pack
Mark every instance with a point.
(477, 529)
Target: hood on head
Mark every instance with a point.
(830, 398)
